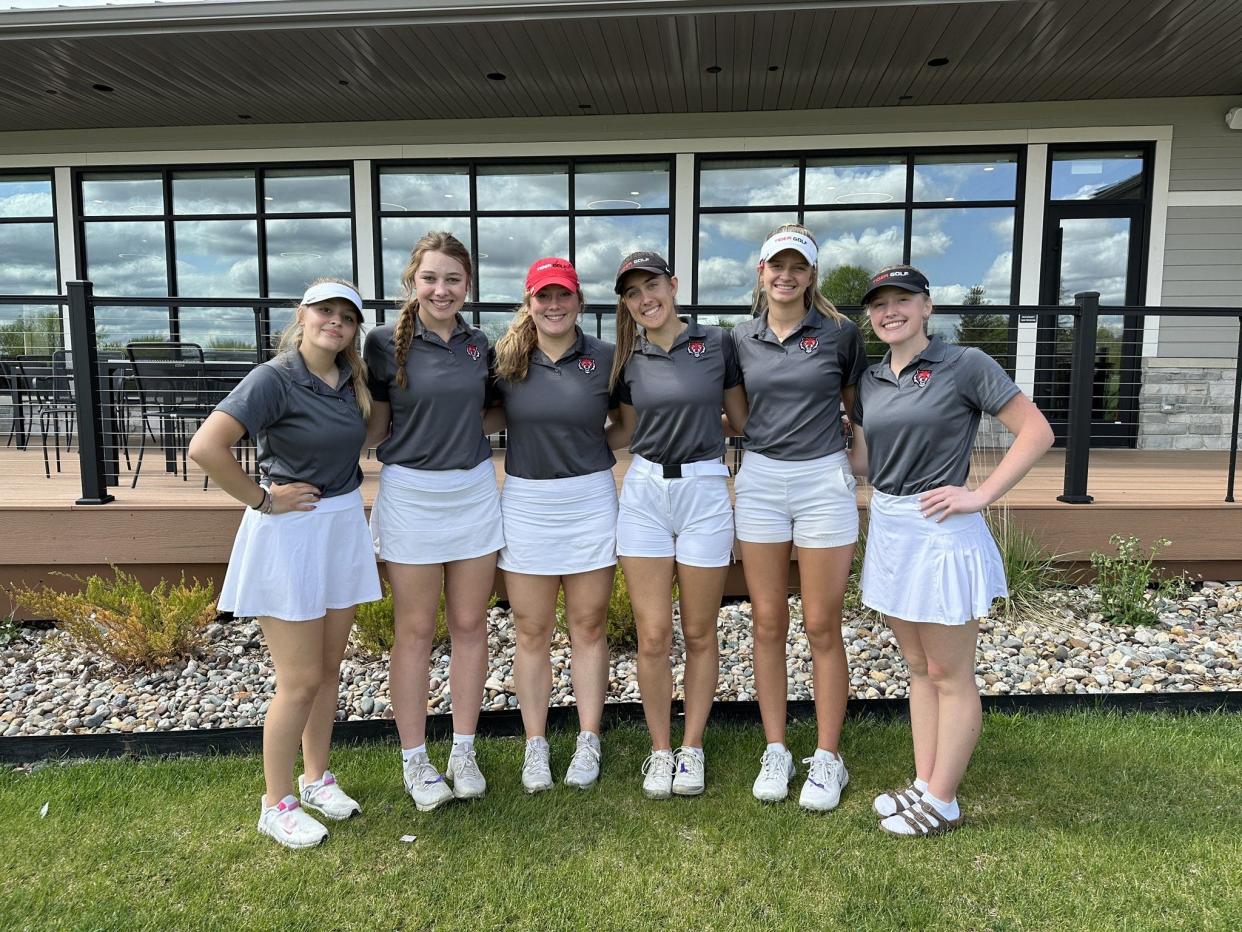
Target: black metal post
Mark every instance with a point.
(88, 395)
(259, 356)
(1237, 397)
(1078, 430)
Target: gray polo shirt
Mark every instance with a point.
(678, 395)
(920, 426)
(794, 385)
(555, 416)
(437, 419)
(304, 430)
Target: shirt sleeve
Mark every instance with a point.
(377, 358)
(853, 354)
(857, 414)
(621, 392)
(258, 401)
(733, 369)
(982, 383)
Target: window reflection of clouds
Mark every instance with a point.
(217, 258)
(508, 245)
(116, 326)
(305, 190)
(1079, 176)
(25, 196)
(424, 189)
(871, 239)
(748, 182)
(299, 251)
(122, 193)
(1095, 254)
(966, 177)
(29, 264)
(219, 330)
(958, 248)
(222, 192)
(126, 257)
(856, 180)
(729, 255)
(398, 236)
(602, 242)
(524, 187)
(621, 186)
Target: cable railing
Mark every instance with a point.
(154, 367)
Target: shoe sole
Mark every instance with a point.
(290, 845)
(430, 807)
(468, 796)
(771, 799)
(656, 795)
(694, 792)
(532, 790)
(356, 811)
(581, 786)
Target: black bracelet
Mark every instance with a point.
(263, 501)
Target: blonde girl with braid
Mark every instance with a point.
(302, 559)
(560, 508)
(436, 521)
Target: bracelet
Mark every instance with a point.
(264, 506)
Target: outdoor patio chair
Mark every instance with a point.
(172, 386)
(46, 386)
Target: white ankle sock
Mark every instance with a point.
(950, 810)
(465, 741)
(537, 740)
(920, 785)
(407, 753)
(777, 746)
(825, 754)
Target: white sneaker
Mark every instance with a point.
(776, 768)
(658, 775)
(289, 824)
(583, 768)
(689, 777)
(825, 779)
(536, 767)
(425, 784)
(463, 772)
(327, 798)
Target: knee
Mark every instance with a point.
(701, 642)
(949, 678)
(467, 630)
(533, 633)
(823, 635)
(770, 621)
(587, 629)
(302, 686)
(655, 647)
(917, 665)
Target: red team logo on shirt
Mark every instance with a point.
(922, 377)
(472, 351)
(696, 348)
(808, 345)
(587, 365)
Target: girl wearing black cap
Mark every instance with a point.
(560, 508)
(302, 560)
(931, 566)
(436, 520)
(672, 379)
(800, 357)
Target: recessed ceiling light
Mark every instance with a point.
(102, 88)
(906, 97)
(937, 62)
(50, 90)
(495, 76)
(585, 106)
(713, 69)
(344, 82)
(774, 67)
(244, 116)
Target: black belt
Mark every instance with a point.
(672, 470)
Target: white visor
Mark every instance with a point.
(788, 239)
(325, 290)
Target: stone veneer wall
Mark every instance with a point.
(1186, 404)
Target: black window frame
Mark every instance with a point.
(54, 220)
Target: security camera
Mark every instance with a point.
(1233, 119)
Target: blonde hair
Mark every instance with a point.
(514, 349)
(812, 297)
(434, 241)
(291, 339)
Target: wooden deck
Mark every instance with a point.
(167, 524)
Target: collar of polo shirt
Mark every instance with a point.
(694, 330)
(459, 326)
(296, 367)
(541, 358)
(934, 351)
(812, 320)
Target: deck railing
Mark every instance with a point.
(1093, 370)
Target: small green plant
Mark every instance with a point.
(373, 624)
(10, 630)
(123, 621)
(1029, 569)
(1125, 583)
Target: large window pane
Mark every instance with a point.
(25, 196)
(748, 182)
(122, 193)
(600, 243)
(859, 241)
(27, 258)
(856, 180)
(299, 251)
(1083, 176)
(424, 189)
(729, 255)
(222, 332)
(306, 190)
(965, 177)
(523, 187)
(966, 253)
(495, 323)
(621, 186)
(126, 257)
(30, 330)
(507, 247)
(217, 258)
(116, 326)
(398, 236)
(215, 192)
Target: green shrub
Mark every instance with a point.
(1125, 583)
(121, 620)
(373, 625)
(1029, 569)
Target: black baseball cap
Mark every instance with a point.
(642, 262)
(906, 277)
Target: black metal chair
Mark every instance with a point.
(46, 385)
(171, 382)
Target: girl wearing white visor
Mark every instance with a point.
(673, 378)
(800, 358)
(302, 560)
(931, 567)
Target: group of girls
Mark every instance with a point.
(431, 390)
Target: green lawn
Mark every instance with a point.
(1089, 821)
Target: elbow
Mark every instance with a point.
(195, 451)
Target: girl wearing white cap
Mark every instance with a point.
(436, 520)
(800, 358)
(673, 378)
(560, 509)
(302, 560)
(931, 566)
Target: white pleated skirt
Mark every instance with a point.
(919, 570)
(297, 565)
(424, 516)
(557, 527)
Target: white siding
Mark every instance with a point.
(1202, 268)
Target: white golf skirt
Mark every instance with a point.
(556, 527)
(297, 565)
(436, 515)
(917, 569)
(810, 502)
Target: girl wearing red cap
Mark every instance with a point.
(559, 504)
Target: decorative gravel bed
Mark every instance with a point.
(1196, 646)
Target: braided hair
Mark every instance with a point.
(435, 241)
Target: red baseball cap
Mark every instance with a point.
(551, 271)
